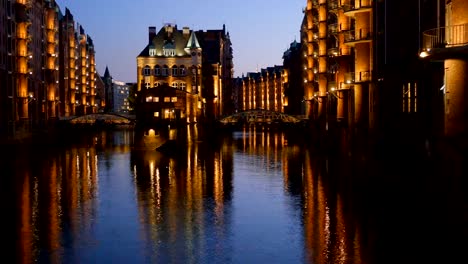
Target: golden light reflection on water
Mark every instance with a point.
(55, 188)
(181, 198)
(167, 184)
(330, 237)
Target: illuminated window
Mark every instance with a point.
(410, 98)
(182, 86)
(156, 114)
(149, 99)
(155, 99)
(174, 99)
(167, 99)
(174, 84)
(152, 51)
(169, 52)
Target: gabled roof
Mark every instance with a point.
(169, 37)
(144, 52)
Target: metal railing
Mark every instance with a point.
(358, 5)
(357, 35)
(332, 4)
(446, 37)
(333, 28)
(356, 77)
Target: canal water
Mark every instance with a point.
(253, 195)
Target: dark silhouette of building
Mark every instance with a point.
(293, 81)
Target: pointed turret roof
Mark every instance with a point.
(193, 43)
(106, 73)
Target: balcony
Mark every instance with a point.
(333, 5)
(337, 52)
(351, 37)
(358, 77)
(333, 28)
(445, 42)
(358, 6)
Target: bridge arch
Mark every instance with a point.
(102, 118)
(259, 116)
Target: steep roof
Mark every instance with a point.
(169, 37)
(193, 43)
(106, 73)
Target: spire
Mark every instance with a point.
(106, 73)
(193, 42)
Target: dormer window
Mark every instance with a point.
(169, 49)
(152, 52)
(169, 52)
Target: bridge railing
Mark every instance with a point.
(259, 116)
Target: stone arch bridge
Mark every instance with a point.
(101, 119)
(260, 117)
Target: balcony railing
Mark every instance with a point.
(357, 77)
(363, 34)
(335, 52)
(333, 28)
(358, 6)
(445, 37)
(332, 4)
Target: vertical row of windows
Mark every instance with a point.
(410, 98)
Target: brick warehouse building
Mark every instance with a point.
(361, 64)
(47, 67)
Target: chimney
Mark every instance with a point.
(151, 34)
(186, 31)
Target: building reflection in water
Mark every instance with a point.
(183, 200)
(216, 199)
(53, 202)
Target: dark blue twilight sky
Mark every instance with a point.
(260, 30)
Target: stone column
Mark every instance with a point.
(456, 83)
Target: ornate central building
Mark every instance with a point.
(184, 75)
(169, 76)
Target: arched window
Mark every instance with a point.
(165, 71)
(174, 70)
(182, 86)
(182, 70)
(157, 70)
(147, 71)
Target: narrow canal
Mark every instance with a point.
(254, 195)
